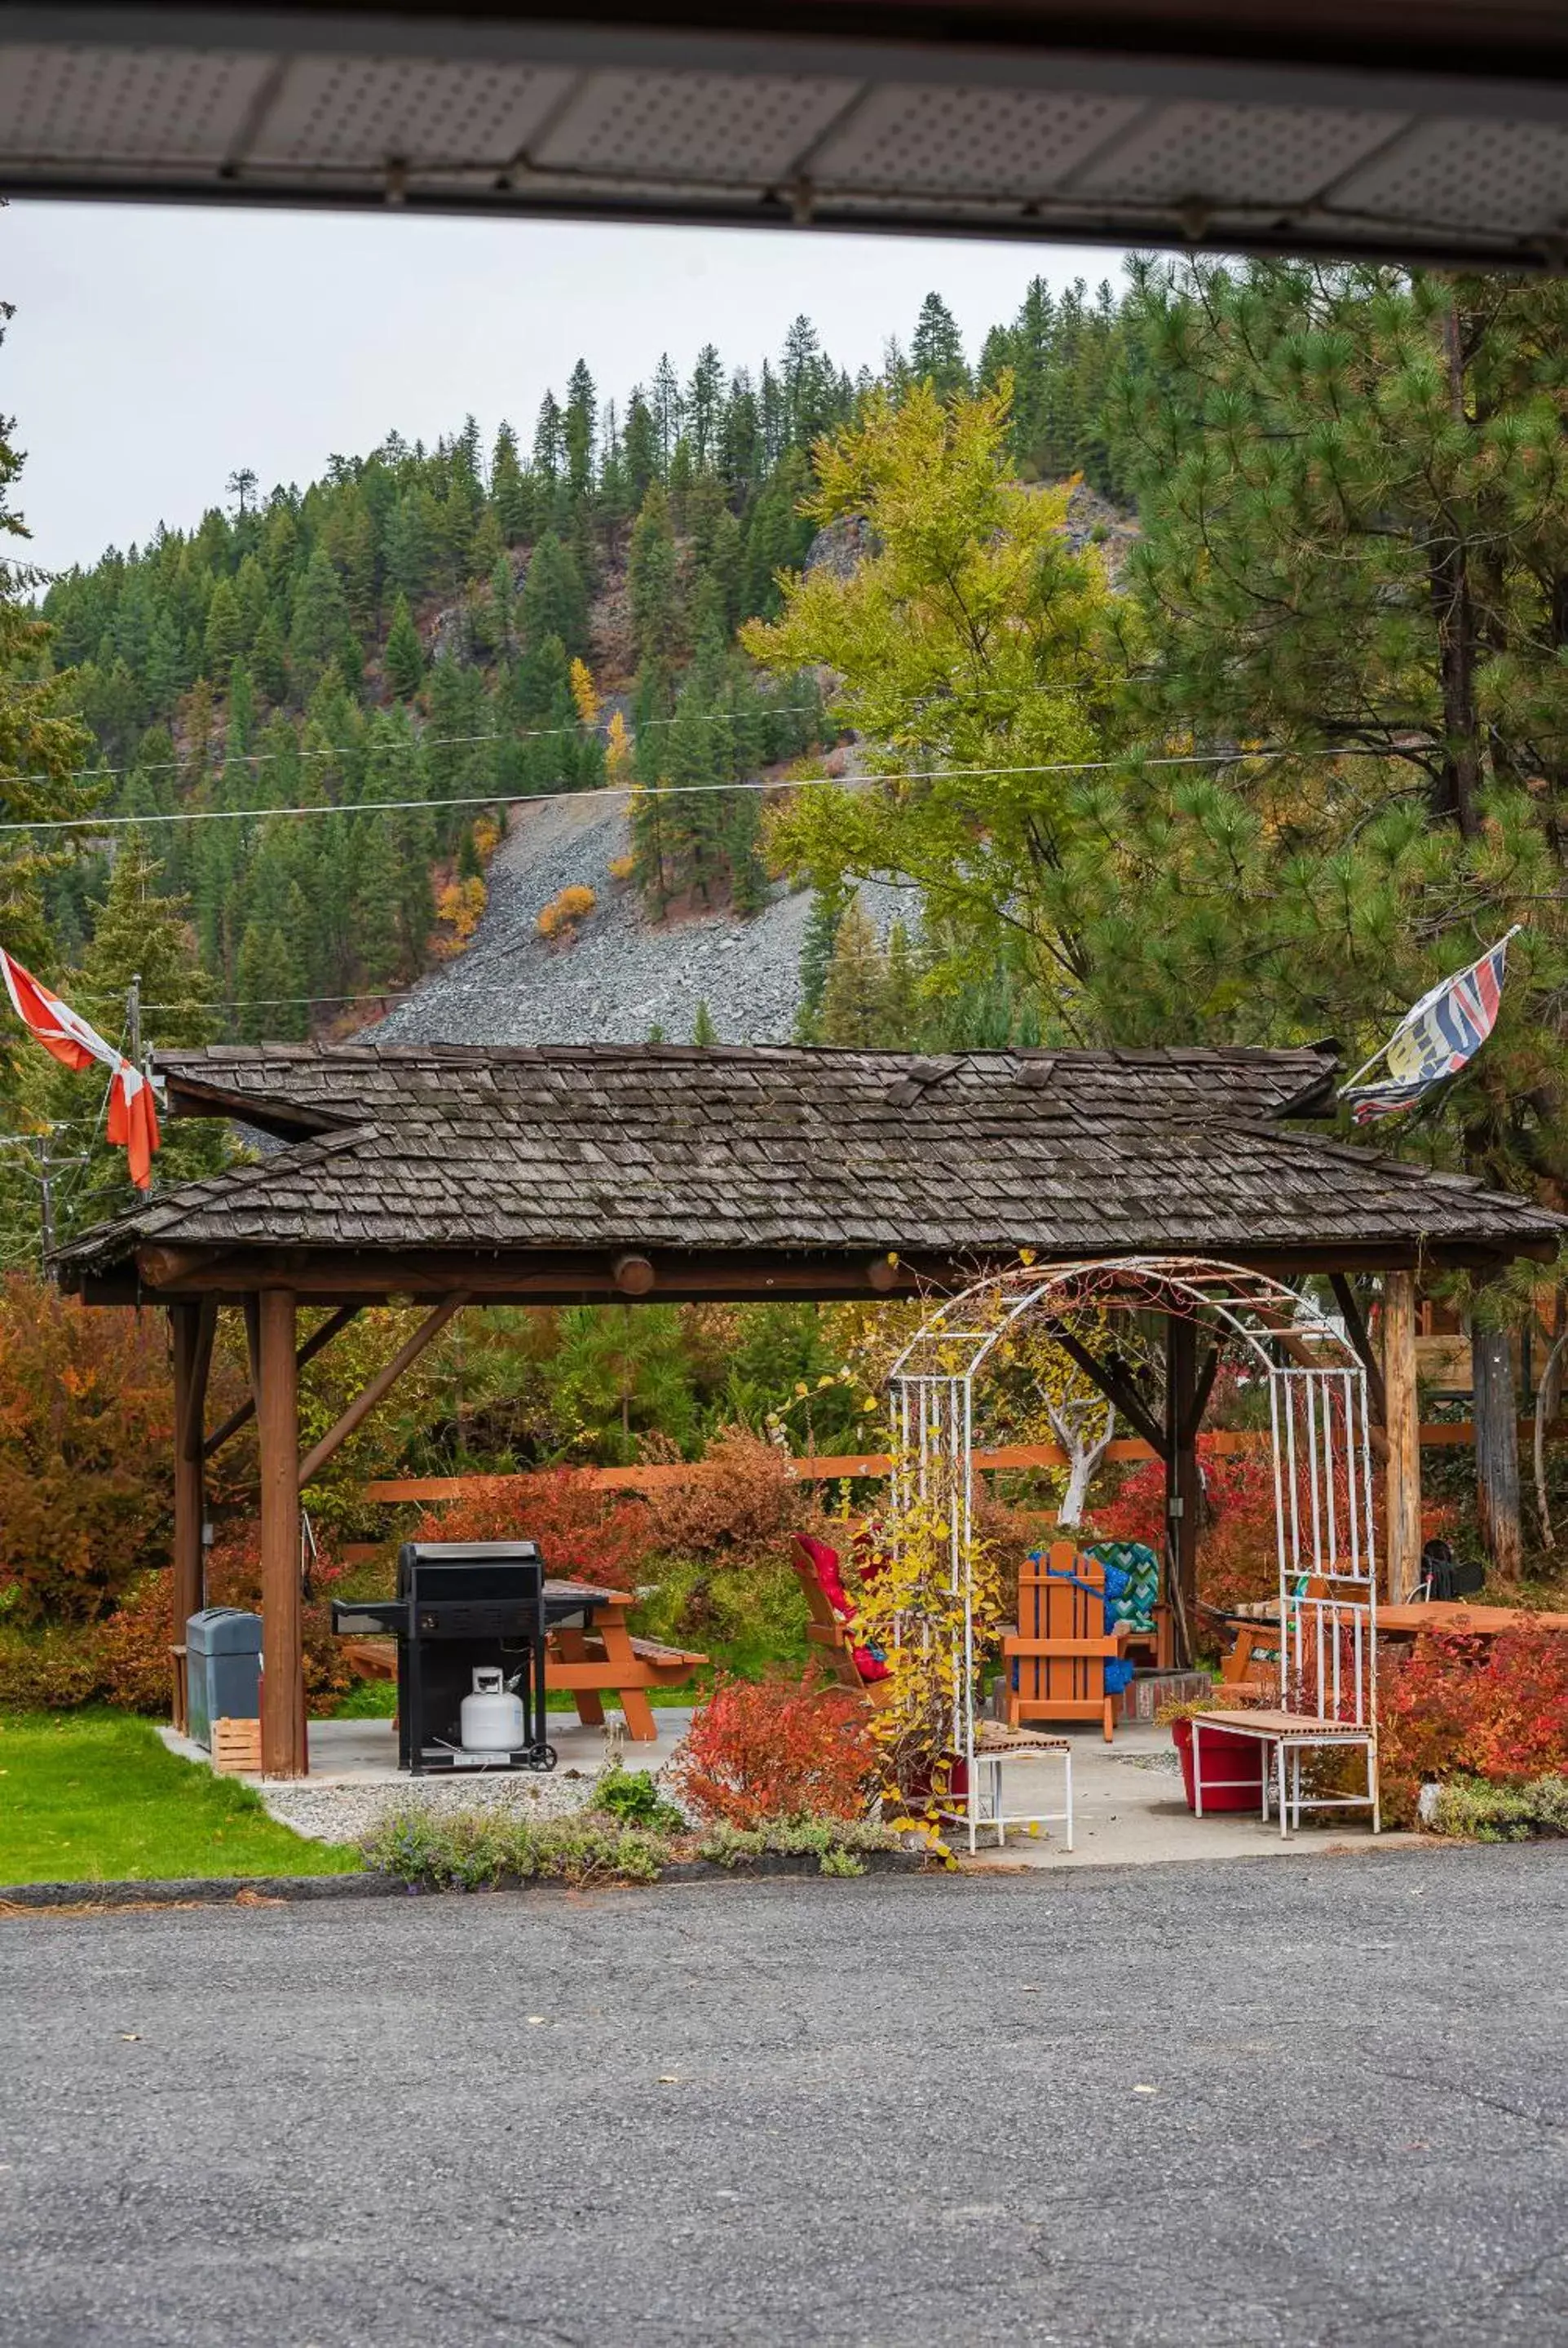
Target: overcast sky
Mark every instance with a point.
(156, 349)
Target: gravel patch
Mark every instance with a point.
(345, 1813)
(621, 974)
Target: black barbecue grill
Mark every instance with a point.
(462, 1606)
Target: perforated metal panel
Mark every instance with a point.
(1386, 131)
(730, 127)
(1490, 174)
(1013, 142)
(100, 107)
(1236, 154)
(353, 113)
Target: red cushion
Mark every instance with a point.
(870, 1666)
(829, 1579)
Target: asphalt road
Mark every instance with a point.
(888, 2112)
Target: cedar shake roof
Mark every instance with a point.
(777, 1150)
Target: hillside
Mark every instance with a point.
(620, 975)
(423, 632)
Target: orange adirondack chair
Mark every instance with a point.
(1060, 1645)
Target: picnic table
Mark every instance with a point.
(1456, 1616)
(588, 1654)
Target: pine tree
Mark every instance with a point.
(580, 431)
(139, 933)
(703, 1031)
(323, 631)
(822, 922)
(224, 635)
(640, 450)
(1356, 535)
(268, 662)
(652, 585)
(263, 978)
(404, 659)
(936, 351)
(855, 997)
(553, 602)
(507, 489)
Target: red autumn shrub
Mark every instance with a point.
(1238, 1560)
(586, 1536)
(1494, 1708)
(760, 1750)
(132, 1646)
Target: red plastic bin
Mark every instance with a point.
(1233, 1767)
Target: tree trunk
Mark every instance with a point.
(1453, 608)
(1496, 1448)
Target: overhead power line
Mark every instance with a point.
(630, 790)
(427, 742)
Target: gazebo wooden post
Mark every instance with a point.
(1402, 1533)
(1184, 1483)
(283, 1746)
(191, 1329)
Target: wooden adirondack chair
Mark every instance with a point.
(829, 1634)
(1054, 1660)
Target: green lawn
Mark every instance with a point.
(89, 1796)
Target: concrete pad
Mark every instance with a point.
(365, 1752)
(1130, 1810)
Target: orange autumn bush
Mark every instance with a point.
(763, 1750)
(1454, 1707)
(740, 1505)
(586, 1536)
(86, 1477)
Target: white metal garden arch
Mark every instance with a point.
(1322, 1456)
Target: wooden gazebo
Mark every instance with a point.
(588, 1174)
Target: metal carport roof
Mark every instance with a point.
(1437, 131)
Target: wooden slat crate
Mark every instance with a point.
(236, 1746)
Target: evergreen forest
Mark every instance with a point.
(1192, 655)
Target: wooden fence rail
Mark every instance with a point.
(816, 1469)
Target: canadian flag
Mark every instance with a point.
(132, 1118)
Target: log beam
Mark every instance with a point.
(316, 1343)
(633, 1275)
(283, 1747)
(1113, 1382)
(364, 1402)
(1401, 1421)
(190, 1330)
(1350, 1304)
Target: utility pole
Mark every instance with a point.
(133, 1019)
(46, 1187)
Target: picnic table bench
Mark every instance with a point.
(587, 1658)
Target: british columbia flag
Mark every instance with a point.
(1437, 1038)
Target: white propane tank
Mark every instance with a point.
(492, 1720)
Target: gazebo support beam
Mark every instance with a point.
(1114, 1384)
(283, 1747)
(191, 1329)
(364, 1402)
(1183, 1481)
(1350, 1304)
(1401, 1419)
(316, 1343)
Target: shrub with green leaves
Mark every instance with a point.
(1483, 1813)
(473, 1850)
(632, 1796)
